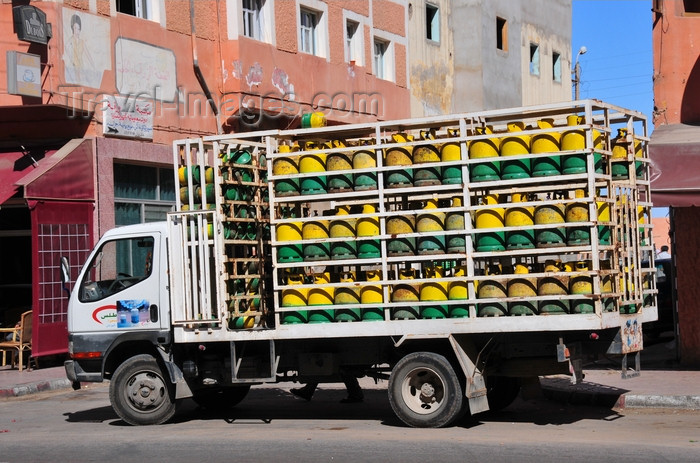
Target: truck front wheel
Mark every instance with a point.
(140, 393)
(424, 391)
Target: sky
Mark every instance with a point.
(617, 67)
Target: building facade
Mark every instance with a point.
(94, 92)
(675, 152)
(473, 55)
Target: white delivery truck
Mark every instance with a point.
(456, 256)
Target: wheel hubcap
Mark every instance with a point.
(146, 391)
(423, 391)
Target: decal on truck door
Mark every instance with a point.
(132, 313)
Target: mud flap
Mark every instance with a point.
(475, 389)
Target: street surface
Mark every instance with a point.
(271, 425)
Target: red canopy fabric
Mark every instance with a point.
(675, 160)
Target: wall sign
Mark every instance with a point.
(30, 24)
(127, 117)
(23, 74)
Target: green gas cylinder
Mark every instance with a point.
(313, 162)
(492, 288)
(313, 120)
(580, 283)
(364, 159)
(342, 227)
(396, 226)
(493, 217)
(289, 231)
(578, 212)
(339, 160)
(295, 297)
(574, 140)
(554, 285)
(434, 291)
(432, 224)
(454, 221)
(515, 145)
(550, 214)
(399, 155)
(542, 143)
(485, 148)
(451, 151)
(371, 294)
(349, 294)
(367, 226)
(427, 153)
(603, 216)
(321, 295)
(458, 290)
(522, 217)
(316, 230)
(523, 287)
(620, 150)
(405, 293)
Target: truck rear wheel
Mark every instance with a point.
(424, 391)
(140, 393)
(225, 397)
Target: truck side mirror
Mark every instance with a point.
(65, 274)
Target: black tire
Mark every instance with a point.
(225, 397)
(424, 391)
(501, 391)
(140, 393)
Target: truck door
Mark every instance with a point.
(123, 287)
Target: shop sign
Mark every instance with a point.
(23, 74)
(127, 117)
(30, 24)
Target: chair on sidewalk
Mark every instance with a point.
(20, 340)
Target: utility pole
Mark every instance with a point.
(577, 72)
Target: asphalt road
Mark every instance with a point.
(270, 425)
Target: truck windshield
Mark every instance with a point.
(117, 265)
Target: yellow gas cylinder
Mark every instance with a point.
(550, 213)
(577, 211)
(242, 322)
(454, 221)
(310, 163)
(492, 288)
(367, 226)
(315, 119)
(289, 230)
(523, 287)
(287, 165)
(434, 291)
(490, 217)
(451, 152)
(343, 227)
(340, 160)
(458, 290)
(345, 295)
(581, 283)
(520, 217)
(603, 216)
(431, 223)
(485, 147)
(371, 294)
(554, 284)
(515, 145)
(641, 221)
(606, 286)
(427, 153)
(317, 230)
(366, 160)
(574, 140)
(620, 150)
(547, 142)
(397, 225)
(295, 297)
(405, 293)
(639, 166)
(627, 286)
(399, 155)
(321, 295)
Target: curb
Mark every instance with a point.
(686, 402)
(35, 387)
(620, 400)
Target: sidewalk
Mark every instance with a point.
(662, 383)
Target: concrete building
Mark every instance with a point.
(675, 152)
(93, 92)
(472, 55)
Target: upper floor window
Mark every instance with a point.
(353, 42)
(432, 22)
(309, 25)
(691, 7)
(252, 13)
(556, 66)
(501, 34)
(534, 59)
(382, 59)
(139, 8)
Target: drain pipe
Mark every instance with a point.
(198, 71)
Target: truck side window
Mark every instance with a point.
(117, 265)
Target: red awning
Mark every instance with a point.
(16, 164)
(675, 156)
